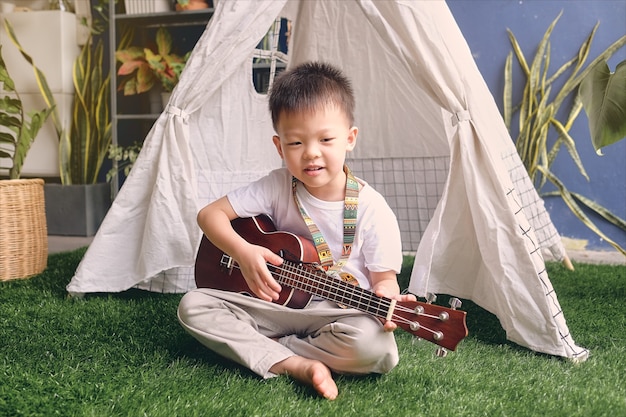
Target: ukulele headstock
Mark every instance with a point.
(440, 325)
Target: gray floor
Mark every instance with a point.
(58, 244)
(612, 257)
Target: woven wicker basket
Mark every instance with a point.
(23, 230)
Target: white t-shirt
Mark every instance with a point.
(377, 243)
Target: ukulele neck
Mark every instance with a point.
(307, 278)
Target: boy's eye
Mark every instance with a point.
(295, 143)
(327, 139)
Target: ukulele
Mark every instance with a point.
(301, 278)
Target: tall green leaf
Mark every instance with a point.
(508, 90)
(571, 203)
(42, 83)
(91, 123)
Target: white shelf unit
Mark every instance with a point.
(132, 113)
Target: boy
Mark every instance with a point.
(312, 109)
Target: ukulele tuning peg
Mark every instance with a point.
(430, 297)
(455, 303)
(441, 352)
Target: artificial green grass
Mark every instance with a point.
(126, 355)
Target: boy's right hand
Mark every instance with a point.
(253, 264)
(215, 221)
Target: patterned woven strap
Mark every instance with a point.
(351, 203)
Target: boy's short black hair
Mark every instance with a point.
(309, 85)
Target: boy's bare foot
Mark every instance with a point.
(309, 372)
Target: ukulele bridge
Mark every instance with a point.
(227, 263)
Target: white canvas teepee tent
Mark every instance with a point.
(431, 140)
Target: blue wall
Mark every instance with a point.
(484, 24)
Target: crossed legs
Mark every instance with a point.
(306, 344)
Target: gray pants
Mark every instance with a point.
(258, 334)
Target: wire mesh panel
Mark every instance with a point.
(411, 186)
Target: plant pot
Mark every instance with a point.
(76, 210)
(155, 100)
(23, 234)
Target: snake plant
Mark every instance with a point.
(538, 111)
(83, 151)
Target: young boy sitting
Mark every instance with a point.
(312, 109)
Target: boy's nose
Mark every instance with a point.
(311, 152)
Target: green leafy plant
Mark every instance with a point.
(125, 156)
(18, 129)
(538, 112)
(83, 147)
(143, 68)
(603, 95)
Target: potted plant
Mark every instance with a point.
(78, 205)
(142, 68)
(23, 234)
(538, 116)
(81, 196)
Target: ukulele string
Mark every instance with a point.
(289, 268)
(316, 277)
(337, 284)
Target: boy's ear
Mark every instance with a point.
(279, 148)
(352, 135)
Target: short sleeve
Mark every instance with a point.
(260, 196)
(380, 238)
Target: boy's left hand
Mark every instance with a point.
(390, 326)
(385, 284)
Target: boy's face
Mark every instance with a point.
(313, 145)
